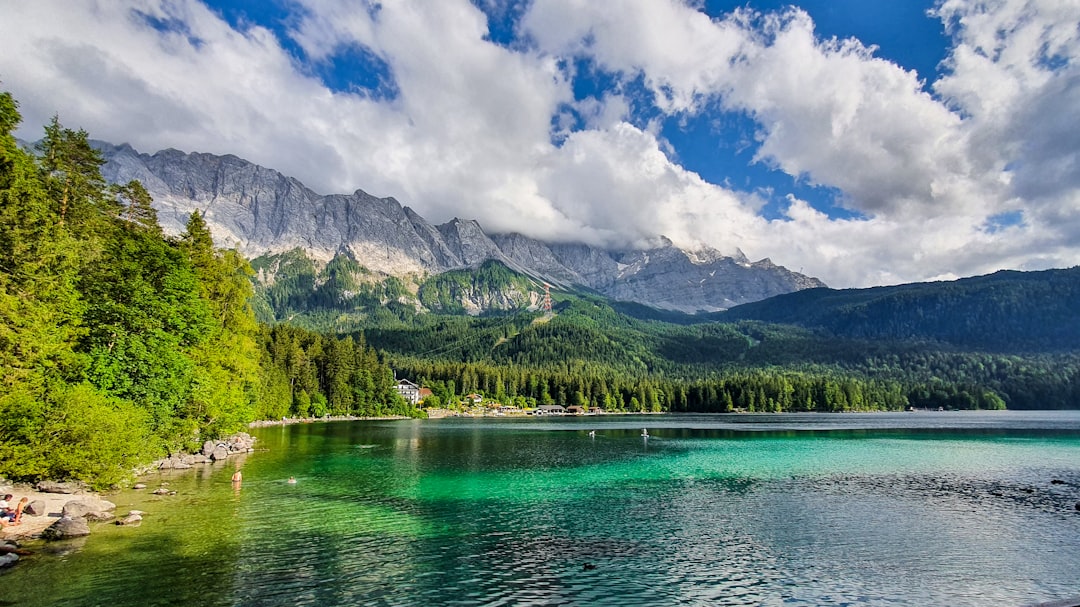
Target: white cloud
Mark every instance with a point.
(469, 131)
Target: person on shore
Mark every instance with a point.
(15, 516)
(5, 504)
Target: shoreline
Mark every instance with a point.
(31, 526)
(288, 421)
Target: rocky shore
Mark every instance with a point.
(64, 510)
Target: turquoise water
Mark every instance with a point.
(878, 509)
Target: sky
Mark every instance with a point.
(863, 142)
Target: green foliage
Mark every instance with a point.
(323, 375)
(118, 344)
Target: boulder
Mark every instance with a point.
(219, 454)
(208, 447)
(9, 559)
(99, 517)
(130, 519)
(86, 505)
(66, 527)
(198, 458)
(163, 491)
(66, 487)
(35, 508)
(139, 486)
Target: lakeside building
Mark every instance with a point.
(550, 410)
(409, 391)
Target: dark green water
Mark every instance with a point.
(883, 509)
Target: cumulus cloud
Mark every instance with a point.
(477, 129)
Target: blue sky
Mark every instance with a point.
(864, 142)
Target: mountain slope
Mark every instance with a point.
(1005, 311)
(260, 212)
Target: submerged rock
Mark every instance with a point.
(132, 519)
(99, 517)
(8, 559)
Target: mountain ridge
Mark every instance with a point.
(260, 211)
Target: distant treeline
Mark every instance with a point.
(118, 344)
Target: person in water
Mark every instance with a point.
(292, 480)
(237, 477)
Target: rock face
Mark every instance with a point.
(260, 212)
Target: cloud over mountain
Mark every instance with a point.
(547, 118)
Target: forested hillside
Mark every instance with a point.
(119, 345)
(1006, 311)
(590, 353)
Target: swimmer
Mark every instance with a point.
(292, 480)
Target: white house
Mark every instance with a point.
(408, 390)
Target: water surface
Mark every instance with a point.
(794, 509)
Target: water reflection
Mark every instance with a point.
(538, 512)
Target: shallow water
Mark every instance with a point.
(840, 509)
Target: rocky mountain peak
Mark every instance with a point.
(260, 211)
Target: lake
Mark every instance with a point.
(919, 509)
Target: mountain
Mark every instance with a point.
(261, 212)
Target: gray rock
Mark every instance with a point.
(8, 559)
(219, 454)
(66, 487)
(131, 519)
(99, 517)
(85, 506)
(208, 448)
(139, 486)
(35, 508)
(66, 527)
(163, 491)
